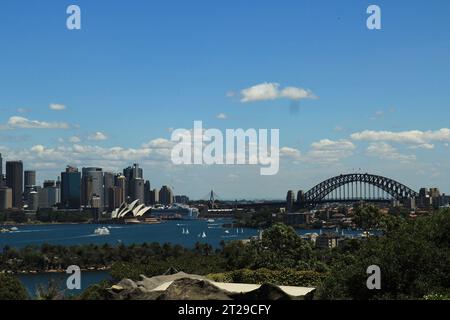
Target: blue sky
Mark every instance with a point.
(136, 69)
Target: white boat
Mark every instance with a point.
(242, 230)
(226, 231)
(183, 232)
(3, 230)
(102, 231)
(203, 234)
(13, 229)
(187, 231)
(210, 220)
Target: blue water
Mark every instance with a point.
(165, 232)
(88, 278)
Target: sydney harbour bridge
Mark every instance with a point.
(355, 187)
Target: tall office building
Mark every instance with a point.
(5, 198)
(165, 196)
(108, 183)
(154, 197)
(86, 190)
(71, 188)
(49, 195)
(290, 200)
(138, 190)
(92, 176)
(29, 178)
(121, 182)
(115, 198)
(147, 192)
(130, 174)
(14, 180)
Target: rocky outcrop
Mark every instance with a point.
(182, 286)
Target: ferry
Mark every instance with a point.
(102, 231)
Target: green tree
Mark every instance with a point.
(11, 288)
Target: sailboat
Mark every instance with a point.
(187, 231)
(242, 230)
(203, 234)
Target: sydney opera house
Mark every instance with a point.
(130, 210)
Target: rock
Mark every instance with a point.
(264, 292)
(193, 289)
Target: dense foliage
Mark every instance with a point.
(11, 288)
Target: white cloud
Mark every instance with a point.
(222, 116)
(326, 151)
(75, 139)
(386, 151)
(271, 91)
(97, 136)
(159, 143)
(57, 106)
(290, 153)
(17, 122)
(407, 137)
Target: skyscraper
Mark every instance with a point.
(108, 183)
(154, 197)
(130, 174)
(96, 175)
(138, 190)
(290, 200)
(147, 192)
(71, 188)
(165, 196)
(14, 180)
(29, 178)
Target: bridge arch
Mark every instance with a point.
(394, 188)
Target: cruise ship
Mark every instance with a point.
(175, 211)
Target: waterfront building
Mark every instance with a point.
(138, 190)
(154, 197)
(92, 185)
(290, 200)
(181, 199)
(5, 198)
(71, 188)
(33, 201)
(327, 241)
(49, 195)
(115, 198)
(165, 196)
(14, 180)
(108, 183)
(147, 193)
(293, 219)
(132, 173)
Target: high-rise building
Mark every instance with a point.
(49, 195)
(33, 201)
(130, 174)
(115, 198)
(147, 191)
(138, 190)
(108, 182)
(14, 180)
(181, 199)
(29, 178)
(96, 175)
(5, 198)
(121, 182)
(300, 198)
(290, 200)
(71, 188)
(154, 197)
(165, 196)
(1, 170)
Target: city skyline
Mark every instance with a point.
(110, 94)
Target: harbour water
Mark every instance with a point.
(183, 232)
